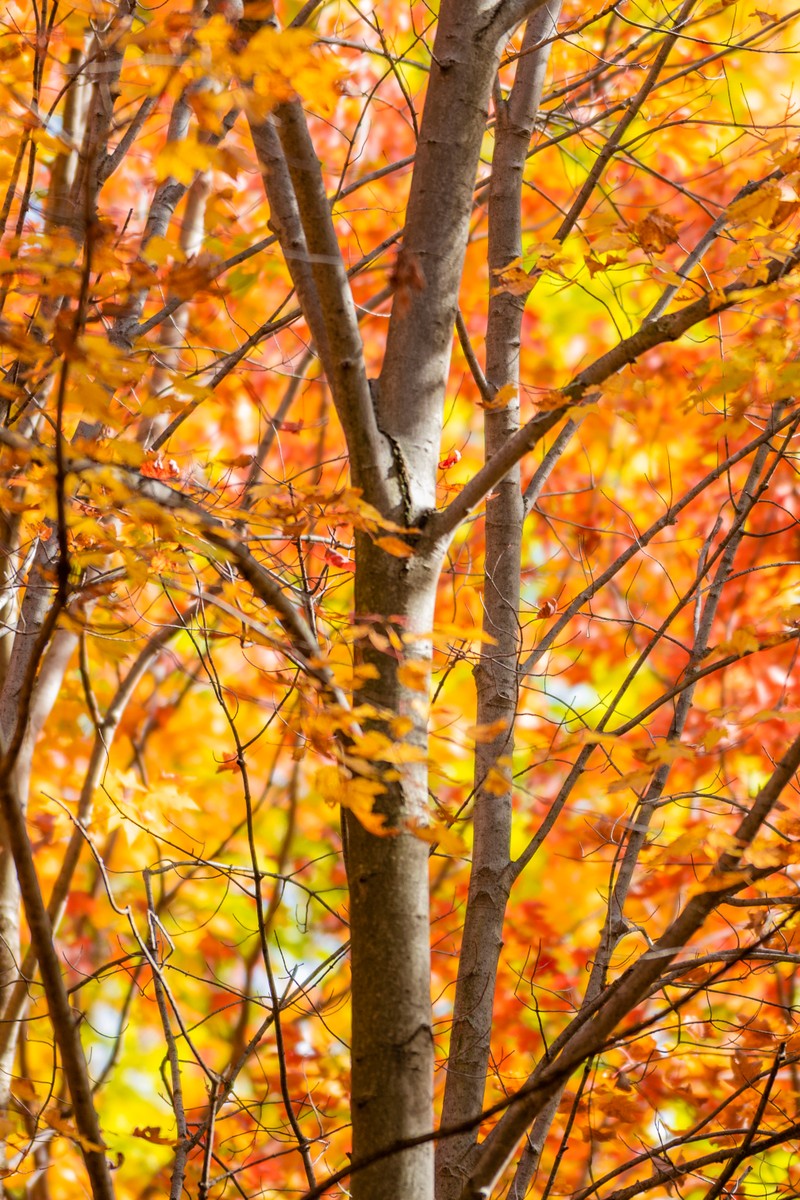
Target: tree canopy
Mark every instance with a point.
(400, 600)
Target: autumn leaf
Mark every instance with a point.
(501, 399)
(547, 608)
(414, 675)
(395, 547)
(655, 232)
(514, 280)
(760, 205)
(484, 734)
(595, 265)
(152, 1134)
(435, 833)
(339, 560)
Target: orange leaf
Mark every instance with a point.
(414, 675)
(514, 280)
(655, 232)
(502, 398)
(395, 546)
(152, 1133)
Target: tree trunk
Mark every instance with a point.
(392, 1046)
(392, 1040)
(498, 669)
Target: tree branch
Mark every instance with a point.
(420, 336)
(667, 328)
(509, 14)
(628, 991)
(329, 307)
(497, 673)
(65, 1027)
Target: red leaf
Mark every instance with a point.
(338, 560)
(452, 458)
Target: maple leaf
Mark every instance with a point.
(595, 265)
(501, 399)
(159, 468)
(655, 232)
(437, 834)
(339, 560)
(513, 279)
(152, 1134)
(547, 608)
(414, 675)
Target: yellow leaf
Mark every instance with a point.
(662, 752)
(487, 733)
(159, 251)
(713, 737)
(497, 781)
(715, 882)
(337, 785)
(634, 780)
(716, 299)
(701, 839)
(414, 675)
(400, 726)
(362, 673)
(374, 746)
(760, 205)
(216, 32)
(181, 161)
(592, 737)
(502, 398)
(744, 640)
(513, 279)
(374, 823)
(436, 833)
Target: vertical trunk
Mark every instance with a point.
(497, 671)
(392, 1051)
(392, 1048)
(393, 432)
(419, 343)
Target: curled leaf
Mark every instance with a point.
(655, 232)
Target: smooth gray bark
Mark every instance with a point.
(393, 433)
(392, 1036)
(497, 673)
(420, 340)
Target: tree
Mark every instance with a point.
(267, 277)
